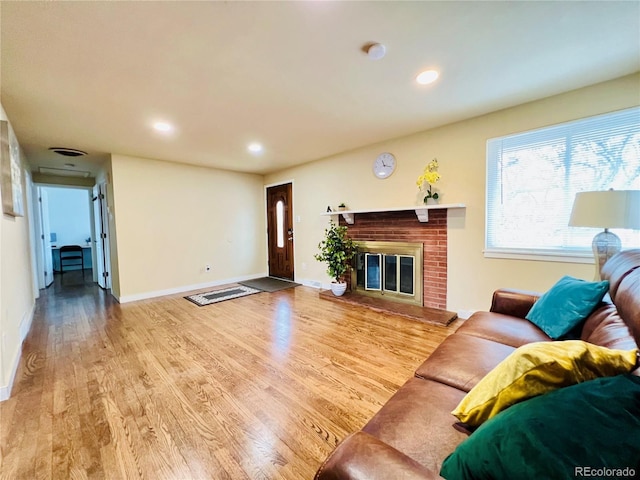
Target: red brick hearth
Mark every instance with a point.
(404, 227)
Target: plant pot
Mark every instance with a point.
(431, 201)
(338, 289)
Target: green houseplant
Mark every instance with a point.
(336, 250)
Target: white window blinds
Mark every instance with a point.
(532, 179)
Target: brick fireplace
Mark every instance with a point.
(403, 226)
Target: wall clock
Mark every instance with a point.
(384, 165)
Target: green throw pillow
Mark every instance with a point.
(591, 429)
(566, 304)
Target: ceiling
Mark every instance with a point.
(293, 76)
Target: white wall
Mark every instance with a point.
(460, 149)
(170, 220)
(17, 297)
(69, 216)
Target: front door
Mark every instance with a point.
(280, 231)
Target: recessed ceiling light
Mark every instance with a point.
(427, 77)
(254, 147)
(163, 127)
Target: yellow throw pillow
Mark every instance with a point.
(537, 368)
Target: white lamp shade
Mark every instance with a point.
(606, 209)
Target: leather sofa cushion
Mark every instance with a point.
(511, 331)
(362, 456)
(417, 421)
(461, 361)
(628, 302)
(604, 327)
(516, 303)
(618, 267)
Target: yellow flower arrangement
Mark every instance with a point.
(429, 176)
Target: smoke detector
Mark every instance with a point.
(375, 51)
(68, 152)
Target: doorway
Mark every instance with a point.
(280, 231)
(67, 215)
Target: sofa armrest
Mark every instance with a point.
(516, 303)
(362, 456)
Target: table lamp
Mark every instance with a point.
(606, 209)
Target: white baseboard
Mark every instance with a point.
(25, 324)
(186, 288)
(24, 328)
(311, 283)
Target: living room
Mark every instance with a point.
(169, 219)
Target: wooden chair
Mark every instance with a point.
(70, 255)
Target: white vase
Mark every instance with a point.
(431, 201)
(338, 289)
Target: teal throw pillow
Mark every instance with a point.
(566, 304)
(588, 430)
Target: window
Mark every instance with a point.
(532, 179)
(280, 224)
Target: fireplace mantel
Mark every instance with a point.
(422, 212)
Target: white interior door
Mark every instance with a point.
(106, 246)
(45, 236)
(98, 236)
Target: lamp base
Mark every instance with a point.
(605, 245)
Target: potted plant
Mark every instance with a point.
(342, 207)
(337, 250)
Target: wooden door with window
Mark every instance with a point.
(280, 231)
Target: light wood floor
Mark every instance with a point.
(258, 387)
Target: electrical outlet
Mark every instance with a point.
(207, 268)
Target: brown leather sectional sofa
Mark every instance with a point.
(414, 431)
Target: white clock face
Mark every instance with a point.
(384, 165)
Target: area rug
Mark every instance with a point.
(269, 284)
(216, 296)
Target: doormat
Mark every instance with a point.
(216, 296)
(269, 284)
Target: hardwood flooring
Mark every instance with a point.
(260, 387)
